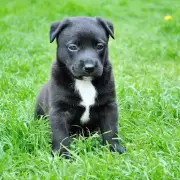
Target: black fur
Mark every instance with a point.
(58, 97)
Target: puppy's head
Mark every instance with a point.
(82, 44)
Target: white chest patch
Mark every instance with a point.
(88, 94)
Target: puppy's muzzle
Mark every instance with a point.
(89, 68)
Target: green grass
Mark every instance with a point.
(146, 61)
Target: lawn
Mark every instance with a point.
(146, 59)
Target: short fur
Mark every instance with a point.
(82, 61)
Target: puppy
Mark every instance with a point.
(81, 92)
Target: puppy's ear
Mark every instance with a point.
(56, 28)
(107, 25)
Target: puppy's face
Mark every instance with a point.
(82, 45)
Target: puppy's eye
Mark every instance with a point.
(100, 46)
(72, 47)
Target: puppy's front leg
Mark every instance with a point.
(60, 132)
(109, 127)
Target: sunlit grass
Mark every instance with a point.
(146, 60)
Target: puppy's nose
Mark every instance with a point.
(89, 68)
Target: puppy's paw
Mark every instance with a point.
(117, 148)
(64, 154)
(54, 153)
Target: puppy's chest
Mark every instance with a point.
(88, 95)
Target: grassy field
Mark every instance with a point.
(146, 60)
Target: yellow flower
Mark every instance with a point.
(167, 18)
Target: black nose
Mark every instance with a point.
(89, 68)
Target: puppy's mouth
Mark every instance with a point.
(87, 78)
(84, 78)
(78, 74)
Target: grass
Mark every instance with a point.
(146, 61)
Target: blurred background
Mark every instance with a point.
(146, 62)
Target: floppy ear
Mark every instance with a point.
(107, 25)
(56, 28)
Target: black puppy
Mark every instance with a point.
(81, 92)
